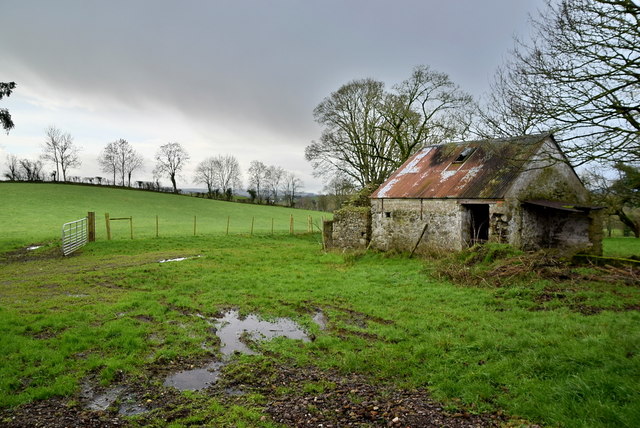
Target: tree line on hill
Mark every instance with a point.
(221, 174)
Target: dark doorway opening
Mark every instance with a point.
(479, 224)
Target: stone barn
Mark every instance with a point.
(520, 191)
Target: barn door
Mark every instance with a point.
(478, 223)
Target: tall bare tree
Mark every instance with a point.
(5, 117)
(274, 177)
(135, 162)
(13, 168)
(580, 76)
(228, 175)
(120, 158)
(205, 173)
(292, 187)
(59, 149)
(427, 108)
(170, 159)
(353, 140)
(257, 181)
(31, 170)
(369, 132)
(108, 160)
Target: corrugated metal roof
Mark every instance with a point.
(475, 169)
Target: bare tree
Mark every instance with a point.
(108, 159)
(338, 190)
(427, 108)
(274, 176)
(5, 117)
(61, 151)
(31, 170)
(170, 159)
(353, 140)
(205, 173)
(580, 77)
(13, 168)
(120, 158)
(505, 111)
(135, 162)
(228, 175)
(369, 132)
(256, 172)
(292, 187)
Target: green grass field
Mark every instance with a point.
(35, 212)
(113, 314)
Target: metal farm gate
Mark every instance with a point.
(75, 234)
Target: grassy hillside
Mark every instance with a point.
(35, 212)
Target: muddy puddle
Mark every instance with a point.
(178, 259)
(234, 332)
(127, 403)
(195, 379)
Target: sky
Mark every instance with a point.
(227, 77)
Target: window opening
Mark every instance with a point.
(464, 155)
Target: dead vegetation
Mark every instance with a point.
(501, 265)
(549, 279)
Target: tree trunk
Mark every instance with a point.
(173, 181)
(624, 218)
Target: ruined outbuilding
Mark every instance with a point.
(519, 191)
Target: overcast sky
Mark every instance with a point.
(237, 77)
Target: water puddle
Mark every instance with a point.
(195, 379)
(34, 247)
(104, 400)
(178, 259)
(78, 296)
(234, 332)
(321, 320)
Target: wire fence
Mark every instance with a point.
(149, 226)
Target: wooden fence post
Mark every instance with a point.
(156, 225)
(131, 226)
(228, 218)
(291, 224)
(108, 222)
(91, 220)
(194, 225)
(252, 220)
(271, 225)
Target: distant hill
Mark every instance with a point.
(34, 212)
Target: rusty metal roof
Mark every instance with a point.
(476, 169)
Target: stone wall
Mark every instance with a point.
(397, 224)
(351, 228)
(576, 232)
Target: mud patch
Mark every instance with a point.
(327, 398)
